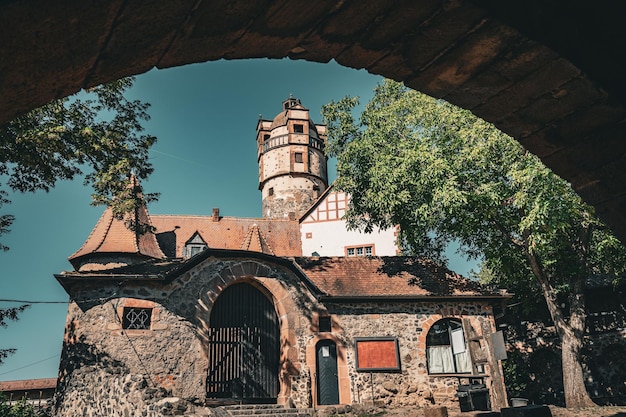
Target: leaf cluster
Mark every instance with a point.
(19, 409)
(11, 314)
(442, 175)
(97, 134)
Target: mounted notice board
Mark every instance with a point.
(377, 354)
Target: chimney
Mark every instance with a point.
(216, 214)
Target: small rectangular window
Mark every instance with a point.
(196, 249)
(271, 191)
(360, 250)
(325, 324)
(137, 318)
(298, 128)
(266, 137)
(298, 157)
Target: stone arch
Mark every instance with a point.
(256, 274)
(443, 344)
(451, 313)
(509, 64)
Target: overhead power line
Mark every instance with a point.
(30, 364)
(32, 302)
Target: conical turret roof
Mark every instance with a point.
(114, 236)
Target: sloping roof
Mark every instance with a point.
(28, 384)
(254, 241)
(317, 202)
(390, 277)
(275, 237)
(332, 279)
(112, 235)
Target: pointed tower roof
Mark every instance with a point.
(255, 241)
(112, 237)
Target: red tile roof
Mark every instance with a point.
(112, 235)
(28, 384)
(254, 241)
(270, 236)
(387, 277)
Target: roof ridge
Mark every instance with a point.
(222, 218)
(317, 202)
(263, 241)
(247, 239)
(254, 232)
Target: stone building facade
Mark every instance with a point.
(213, 309)
(112, 365)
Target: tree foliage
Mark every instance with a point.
(18, 409)
(443, 175)
(97, 134)
(7, 314)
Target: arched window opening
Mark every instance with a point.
(447, 352)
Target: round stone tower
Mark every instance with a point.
(292, 164)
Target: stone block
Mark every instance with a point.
(435, 412)
(527, 411)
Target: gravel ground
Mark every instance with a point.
(619, 411)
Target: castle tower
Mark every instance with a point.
(292, 164)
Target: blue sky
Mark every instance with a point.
(204, 116)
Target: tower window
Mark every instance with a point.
(298, 128)
(271, 191)
(266, 137)
(298, 157)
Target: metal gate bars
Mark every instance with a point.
(243, 346)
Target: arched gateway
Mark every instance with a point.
(243, 346)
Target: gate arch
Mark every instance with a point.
(509, 64)
(243, 346)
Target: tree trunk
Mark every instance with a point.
(571, 334)
(576, 395)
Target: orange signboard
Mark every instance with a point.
(377, 354)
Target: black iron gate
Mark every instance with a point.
(243, 346)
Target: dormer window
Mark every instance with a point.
(193, 250)
(194, 246)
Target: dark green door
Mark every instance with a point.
(327, 379)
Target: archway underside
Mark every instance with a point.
(547, 74)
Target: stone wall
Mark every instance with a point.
(109, 371)
(409, 322)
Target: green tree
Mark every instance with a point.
(97, 134)
(7, 314)
(443, 175)
(19, 409)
